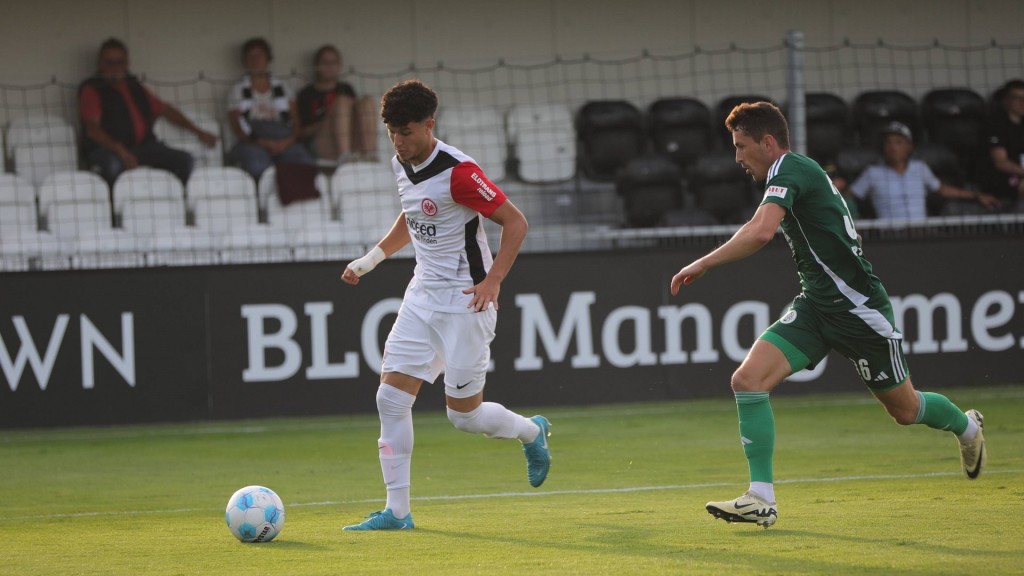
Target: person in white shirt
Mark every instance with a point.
(449, 310)
(898, 187)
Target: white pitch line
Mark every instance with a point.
(632, 489)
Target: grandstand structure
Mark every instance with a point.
(599, 153)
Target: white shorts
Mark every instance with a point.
(423, 343)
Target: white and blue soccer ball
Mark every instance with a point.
(255, 514)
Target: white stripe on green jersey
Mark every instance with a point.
(833, 272)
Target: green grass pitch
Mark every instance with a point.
(857, 495)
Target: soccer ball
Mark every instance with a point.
(255, 514)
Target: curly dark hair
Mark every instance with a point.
(757, 119)
(408, 101)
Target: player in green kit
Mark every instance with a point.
(841, 306)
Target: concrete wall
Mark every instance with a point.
(43, 39)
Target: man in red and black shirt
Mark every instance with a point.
(118, 113)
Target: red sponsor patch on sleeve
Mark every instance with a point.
(470, 187)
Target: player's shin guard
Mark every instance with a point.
(936, 411)
(757, 432)
(395, 445)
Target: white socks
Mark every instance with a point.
(766, 490)
(495, 421)
(970, 432)
(395, 445)
(396, 437)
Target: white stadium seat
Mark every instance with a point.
(35, 162)
(221, 197)
(17, 203)
(149, 201)
(28, 249)
(543, 142)
(367, 199)
(38, 129)
(479, 132)
(75, 204)
(109, 248)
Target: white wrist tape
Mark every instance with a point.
(363, 265)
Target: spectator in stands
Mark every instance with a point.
(1006, 144)
(263, 115)
(899, 185)
(118, 114)
(337, 125)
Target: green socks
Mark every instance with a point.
(757, 432)
(936, 411)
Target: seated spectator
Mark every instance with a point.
(899, 185)
(263, 116)
(118, 114)
(1006, 145)
(337, 125)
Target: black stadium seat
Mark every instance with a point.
(828, 126)
(650, 187)
(957, 118)
(680, 129)
(722, 187)
(875, 109)
(611, 133)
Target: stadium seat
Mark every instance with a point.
(367, 199)
(611, 133)
(108, 248)
(177, 137)
(297, 215)
(828, 126)
(724, 108)
(35, 162)
(680, 129)
(187, 246)
(650, 187)
(942, 161)
(38, 129)
(957, 118)
(150, 202)
(542, 142)
(17, 203)
(254, 243)
(29, 249)
(221, 197)
(75, 204)
(479, 132)
(722, 187)
(875, 109)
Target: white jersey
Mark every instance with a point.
(445, 200)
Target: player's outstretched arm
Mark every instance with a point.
(392, 242)
(750, 238)
(513, 231)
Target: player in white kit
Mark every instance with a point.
(449, 311)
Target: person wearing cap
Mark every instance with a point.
(897, 187)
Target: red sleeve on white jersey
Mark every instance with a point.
(472, 188)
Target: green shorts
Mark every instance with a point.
(866, 335)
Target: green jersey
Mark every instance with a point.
(833, 272)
